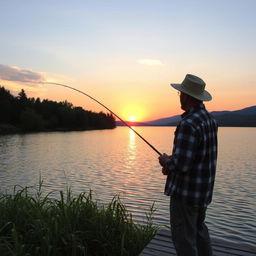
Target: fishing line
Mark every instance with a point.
(72, 88)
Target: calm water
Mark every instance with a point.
(116, 161)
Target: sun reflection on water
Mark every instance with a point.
(131, 157)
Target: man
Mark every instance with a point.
(191, 170)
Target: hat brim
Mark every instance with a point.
(205, 96)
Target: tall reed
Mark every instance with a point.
(33, 224)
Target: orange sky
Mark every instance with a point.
(141, 100)
(126, 53)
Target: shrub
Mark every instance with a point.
(32, 224)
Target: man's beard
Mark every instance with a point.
(183, 107)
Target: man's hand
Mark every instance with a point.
(163, 159)
(164, 171)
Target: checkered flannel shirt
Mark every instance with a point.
(192, 166)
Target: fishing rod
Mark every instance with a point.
(72, 88)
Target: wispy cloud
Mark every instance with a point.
(15, 74)
(14, 79)
(150, 62)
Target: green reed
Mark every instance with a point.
(33, 224)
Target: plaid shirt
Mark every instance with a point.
(192, 166)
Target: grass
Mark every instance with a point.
(32, 224)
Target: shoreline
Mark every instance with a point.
(13, 130)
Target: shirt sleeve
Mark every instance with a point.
(186, 142)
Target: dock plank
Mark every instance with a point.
(162, 245)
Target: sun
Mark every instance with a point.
(132, 118)
(132, 113)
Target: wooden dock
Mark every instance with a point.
(161, 245)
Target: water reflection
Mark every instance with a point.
(132, 152)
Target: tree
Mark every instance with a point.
(6, 106)
(30, 120)
(22, 97)
(30, 114)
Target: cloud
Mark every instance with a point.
(11, 73)
(150, 62)
(14, 79)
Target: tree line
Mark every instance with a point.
(23, 114)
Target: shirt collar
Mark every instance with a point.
(192, 110)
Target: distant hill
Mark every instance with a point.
(244, 118)
(241, 118)
(165, 121)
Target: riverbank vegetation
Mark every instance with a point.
(33, 224)
(23, 114)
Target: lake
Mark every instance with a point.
(117, 161)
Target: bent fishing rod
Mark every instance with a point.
(72, 88)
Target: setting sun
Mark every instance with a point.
(132, 118)
(133, 113)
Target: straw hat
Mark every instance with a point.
(193, 86)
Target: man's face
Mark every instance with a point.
(183, 101)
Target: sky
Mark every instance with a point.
(126, 53)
